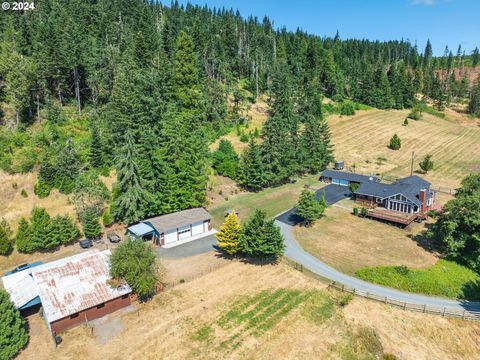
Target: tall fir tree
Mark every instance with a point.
(129, 194)
(252, 171)
(13, 331)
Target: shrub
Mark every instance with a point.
(347, 108)
(415, 114)
(13, 334)
(426, 164)
(244, 138)
(355, 211)
(395, 142)
(405, 122)
(42, 188)
(23, 193)
(364, 212)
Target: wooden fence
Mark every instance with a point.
(423, 308)
(444, 190)
(458, 314)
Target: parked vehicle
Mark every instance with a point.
(85, 244)
(113, 238)
(24, 267)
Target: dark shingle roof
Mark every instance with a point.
(349, 176)
(172, 221)
(408, 187)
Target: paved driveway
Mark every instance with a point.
(333, 193)
(191, 248)
(295, 252)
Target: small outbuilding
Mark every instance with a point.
(174, 229)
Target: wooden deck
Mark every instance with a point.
(393, 216)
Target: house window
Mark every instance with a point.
(379, 200)
(183, 231)
(99, 306)
(73, 316)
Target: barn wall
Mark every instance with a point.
(89, 314)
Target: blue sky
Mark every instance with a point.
(444, 22)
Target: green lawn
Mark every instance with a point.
(272, 200)
(445, 278)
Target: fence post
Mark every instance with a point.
(443, 312)
(463, 316)
(385, 299)
(301, 268)
(343, 287)
(404, 305)
(424, 307)
(354, 291)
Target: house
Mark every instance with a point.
(343, 178)
(402, 201)
(174, 229)
(71, 290)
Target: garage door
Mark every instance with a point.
(340, 182)
(184, 233)
(197, 228)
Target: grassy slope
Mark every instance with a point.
(272, 200)
(445, 278)
(363, 138)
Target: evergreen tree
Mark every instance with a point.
(261, 237)
(228, 238)
(127, 205)
(225, 159)
(474, 103)
(96, 156)
(41, 230)
(67, 168)
(91, 226)
(395, 142)
(308, 207)
(475, 57)
(280, 133)
(5, 237)
(23, 237)
(316, 148)
(63, 230)
(13, 333)
(426, 164)
(251, 171)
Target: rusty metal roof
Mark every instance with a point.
(75, 283)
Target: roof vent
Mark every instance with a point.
(370, 178)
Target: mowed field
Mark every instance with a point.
(246, 311)
(362, 140)
(362, 243)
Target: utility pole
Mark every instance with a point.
(411, 167)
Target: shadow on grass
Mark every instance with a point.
(471, 291)
(272, 260)
(426, 243)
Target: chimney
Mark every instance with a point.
(423, 200)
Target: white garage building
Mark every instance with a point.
(174, 229)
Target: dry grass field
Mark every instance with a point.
(362, 243)
(245, 311)
(362, 140)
